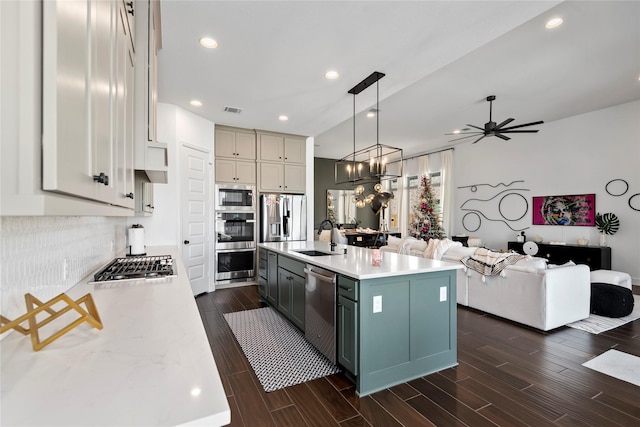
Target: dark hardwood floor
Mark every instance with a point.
(508, 375)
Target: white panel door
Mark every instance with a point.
(195, 182)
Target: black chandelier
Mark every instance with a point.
(375, 163)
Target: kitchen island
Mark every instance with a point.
(151, 364)
(395, 322)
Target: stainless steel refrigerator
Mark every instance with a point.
(283, 217)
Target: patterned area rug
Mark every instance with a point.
(597, 324)
(620, 365)
(277, 351)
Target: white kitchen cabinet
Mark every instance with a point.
(144, 195)
(235, 171)
(151, 156)
(87, 71)
(281, 178)
(234, 143)
(49, 102)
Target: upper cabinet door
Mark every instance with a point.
(246, 146)
(271, 148)
(67, 135)
(225, 143)
(294, 150)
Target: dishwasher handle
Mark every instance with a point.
(320, 276)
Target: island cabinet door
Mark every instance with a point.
(347, 334)
(284, 291)
(272, 278)
(407, 328)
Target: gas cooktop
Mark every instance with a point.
(136, 268)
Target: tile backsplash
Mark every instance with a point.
(45, 256)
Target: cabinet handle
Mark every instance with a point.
(130, 7)
(102, 178)
(286, 158)
(130, 196)
(150, 206)
(186, 242)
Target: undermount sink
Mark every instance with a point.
(313, 252)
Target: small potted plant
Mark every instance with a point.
(607, 223)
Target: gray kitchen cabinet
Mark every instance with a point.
(86, 151)
(263, 268)
(272, 278)
(281, 162)
(151, 156)
(347, 334)
(291, 290)
(233, 143)
(235, 171)
(347, 324)
(273, 147)
(281, 177)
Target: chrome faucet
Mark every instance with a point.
(322, 224)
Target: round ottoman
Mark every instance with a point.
(611, 300)
(612, 277)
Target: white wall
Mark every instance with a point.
(578, 155)
(34, 250)
(175, 127)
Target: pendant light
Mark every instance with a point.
(377, 162)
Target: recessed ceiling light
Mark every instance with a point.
(331, 75)
(456, 131)
(553, 23)
(208, 42)
(371, 114)
(195, 103)
(283, 118)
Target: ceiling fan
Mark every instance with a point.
(493, 129)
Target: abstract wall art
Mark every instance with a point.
(577, 210)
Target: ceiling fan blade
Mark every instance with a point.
(465, 137)
(501, 136)
(506, 122)
(465, 133)
(523, 125)
(478, 139)
(476, 127)
(520, 131)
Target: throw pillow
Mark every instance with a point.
(533, 262)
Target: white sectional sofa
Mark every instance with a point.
(528, 292)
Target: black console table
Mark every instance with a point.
(368, 240)
(596, 257)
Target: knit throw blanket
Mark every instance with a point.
(490, 263)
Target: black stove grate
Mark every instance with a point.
(136, 267)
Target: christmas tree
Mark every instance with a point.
(425, 224)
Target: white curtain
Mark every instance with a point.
(446, 190)
(423, 166)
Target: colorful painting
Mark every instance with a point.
(565, 210)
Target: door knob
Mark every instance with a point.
(130, 195)
(186, 242)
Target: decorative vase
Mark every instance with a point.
(603, 239)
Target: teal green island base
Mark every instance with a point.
(414, 334)
(394, 322)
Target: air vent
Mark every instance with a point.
(233, 110)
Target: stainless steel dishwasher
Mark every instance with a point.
(320, 310)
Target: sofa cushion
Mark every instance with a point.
(459, 252)
(611, 300)
(394, 241)
(532, 262)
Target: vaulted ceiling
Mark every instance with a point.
(441, 60)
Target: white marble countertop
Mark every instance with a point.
(151, 364)
(356, 263)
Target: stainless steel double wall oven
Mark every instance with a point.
(235, 228)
